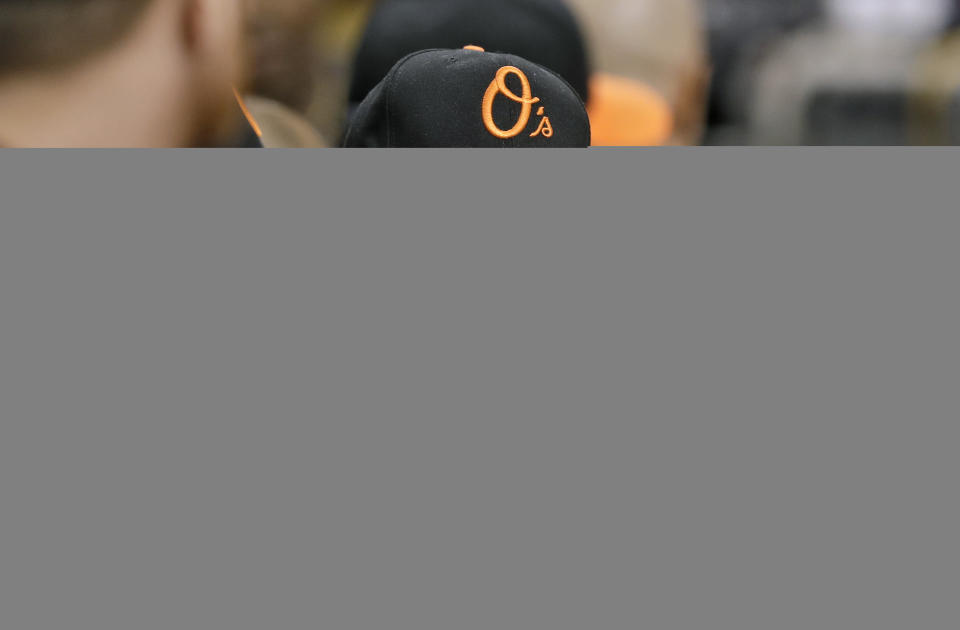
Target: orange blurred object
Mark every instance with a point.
(626, 113)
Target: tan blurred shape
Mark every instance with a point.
(337, 36)
(935, 105)
(283, 54)
(661, 43)
(279, 127)
(301, 53)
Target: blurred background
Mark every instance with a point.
(736, 72)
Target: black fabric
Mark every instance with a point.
(857, 117)
(543, 31)
(953, 120)
(247, 138)
(434, 98)
(954, 21)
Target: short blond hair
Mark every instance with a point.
(37, 34)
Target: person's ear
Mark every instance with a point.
(214, 64)
(191, 19)
(212, 25)
(212, 31)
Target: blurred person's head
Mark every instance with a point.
(119, 72)
(659, 42)
(542, 31)
(741, 34)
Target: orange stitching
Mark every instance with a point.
(545, 127)
(499, 86)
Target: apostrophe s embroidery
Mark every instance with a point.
(545, 127)
(526, 99)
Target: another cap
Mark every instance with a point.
(469, 98)
(543, 31)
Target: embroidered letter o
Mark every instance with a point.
(499, 86)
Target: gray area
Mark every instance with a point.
(452, 390)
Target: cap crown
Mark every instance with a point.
(466, 98)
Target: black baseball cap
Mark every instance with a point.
(545, 32)
(469, 98)
(542, 31)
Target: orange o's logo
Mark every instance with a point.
(527, 100)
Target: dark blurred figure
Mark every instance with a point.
(954, 20)
(120, 73)
(848, 80)
(741, 32)
(542, 31)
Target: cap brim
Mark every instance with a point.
(627, 113)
